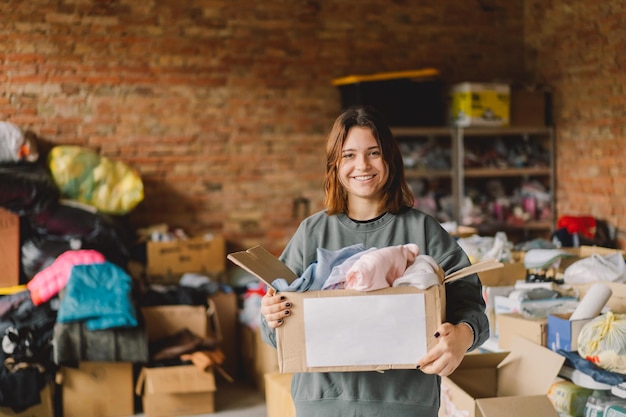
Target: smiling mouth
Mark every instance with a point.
(363, 177)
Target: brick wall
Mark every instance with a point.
(578, 48)
(222, 106)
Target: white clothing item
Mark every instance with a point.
(423, 274)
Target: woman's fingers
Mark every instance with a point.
(275, 308)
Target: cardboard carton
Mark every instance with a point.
(44, 409)
(258, 358)
(228, 320)
(507, 275)
(168, 261)
(167, 320)
(512, 325)
(347, 330)
(512, 384)
(97, 389)
(176, 391)
(563, 332)
(9, 248)
(278, 395)
(480, 104)
(617, 301)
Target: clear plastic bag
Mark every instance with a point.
(603, 342)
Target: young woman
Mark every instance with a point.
(368, 202)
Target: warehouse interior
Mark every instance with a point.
(150, 140)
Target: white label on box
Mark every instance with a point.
(365, 330)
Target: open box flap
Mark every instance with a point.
(519, 406)
(529, 369)
(259, 262)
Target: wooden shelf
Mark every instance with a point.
(423, 173)
(505, 172)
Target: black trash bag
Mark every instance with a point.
(50, 233)
(27, 188)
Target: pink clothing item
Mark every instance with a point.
(49, 281)
(379, 268)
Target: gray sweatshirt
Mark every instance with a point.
(396, 393)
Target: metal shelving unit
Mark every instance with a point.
(458, 139)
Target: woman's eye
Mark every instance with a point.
(375, 153)
(348, 155)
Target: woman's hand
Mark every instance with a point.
(445, 357)
(275, 308)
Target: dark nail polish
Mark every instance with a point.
(282, 298)
(287, 312)
(287, 304)
(417, 367)
(437, 334)
(280, 321)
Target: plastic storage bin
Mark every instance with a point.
(405, 98)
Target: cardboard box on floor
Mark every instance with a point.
(228, 320)
(278, 395)
(167, 320)
(366, 343)
(9, 248)
(258, 358)
(512, 384)
(168, 261)
(44, 409)
(97, 389)
(512, 325)
(176, 391)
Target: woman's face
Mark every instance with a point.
(362, 170)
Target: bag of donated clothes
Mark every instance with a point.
(603, 342)
(82, 175)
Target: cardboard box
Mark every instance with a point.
(44, 409)
(358, 323)
(489, 295)
(168, 261)
(563, 332)
(512, 384)
(480, 104)
(531, 107)
(278, 395)
(9, 248)
(510, 326)
(228, 319)
(507, 275)
(617, 301)
(165, 321)
(97, 389)
(258, 358)
(176, 391)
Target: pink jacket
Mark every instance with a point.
(379, 268)
(49, 281)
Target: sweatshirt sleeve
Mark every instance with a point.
(464, 298)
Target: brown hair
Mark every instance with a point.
(396, 193)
